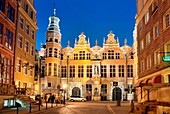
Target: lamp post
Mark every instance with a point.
(64, 89)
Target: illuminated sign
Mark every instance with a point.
(166, 58)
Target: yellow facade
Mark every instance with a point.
(25, 46)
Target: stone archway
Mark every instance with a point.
(76, 91)
(116, 94)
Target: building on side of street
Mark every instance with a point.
(8, 11)
(153, 31)
(25, 48)
(97, 73)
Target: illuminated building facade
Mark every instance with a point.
(97, 73)
(153, 40)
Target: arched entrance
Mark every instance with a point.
(116, 94)
(76, 91)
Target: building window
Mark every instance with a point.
(104, 56)
(103, 71)
(55, 69)
(31, 71)
(88, 88)
(111, 54)
(148, 62)
(32, 34)
(1, 32)
(156, 31)
(88, 56)
(43, 72)
(64, 72)
(19, 65)
(56, 40)
(49, 68)
(55, 52)
(80, 71)
(7, 73)
(26, 7)
(50, 50)
(2, 5)
(156, 57)
(8, 40)
(82, 55)
(72, 71)
(25, 68)
(59, 71)
(167, 20)
(27, 29)
(167, 49)
(121, 70)
(112, 71)
(20, 41)
(142, 66)
(89, 71)
(130, 71)
(147, 17)
(26, 46)
(117, 55)
(32, 50)
(141, 45)
(148, 38)
(75, 56)
(31, 14)
(21, 23)
(104, 88)
(49, 85)
(11, 13)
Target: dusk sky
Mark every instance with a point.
(96, 18)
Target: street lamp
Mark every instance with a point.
(64, 89)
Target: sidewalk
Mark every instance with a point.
(35, 109)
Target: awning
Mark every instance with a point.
(149, 81)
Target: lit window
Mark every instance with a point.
(75, 56)
(89, 71)
(49, 68)
(103, 71)
(156, 31)
(148, 62)
(146, 17)
(88, 88)
(72, 71)
(55, 69)
(117, 55)
(156, 57)
(19, 65)
(26, 46)
(27, 29)
(104, 88)
(8, 40)
(21, 22)
(20, 41)
(80, 71)
(141, 45)
(121, 70)
(63, 72)
(111, 54)
(82, 55)
(112, 71)
(148, 38)
(25, 68)
(130, 71)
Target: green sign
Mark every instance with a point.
(166, 58)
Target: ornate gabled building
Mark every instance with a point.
(97, 73)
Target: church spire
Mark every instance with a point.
(54, 9)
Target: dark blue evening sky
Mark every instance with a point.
(96, 18)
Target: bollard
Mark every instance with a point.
(39, 104)
(132, 106)
(17, 109)
(46, 104)
(30, 106)
(118, 103)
